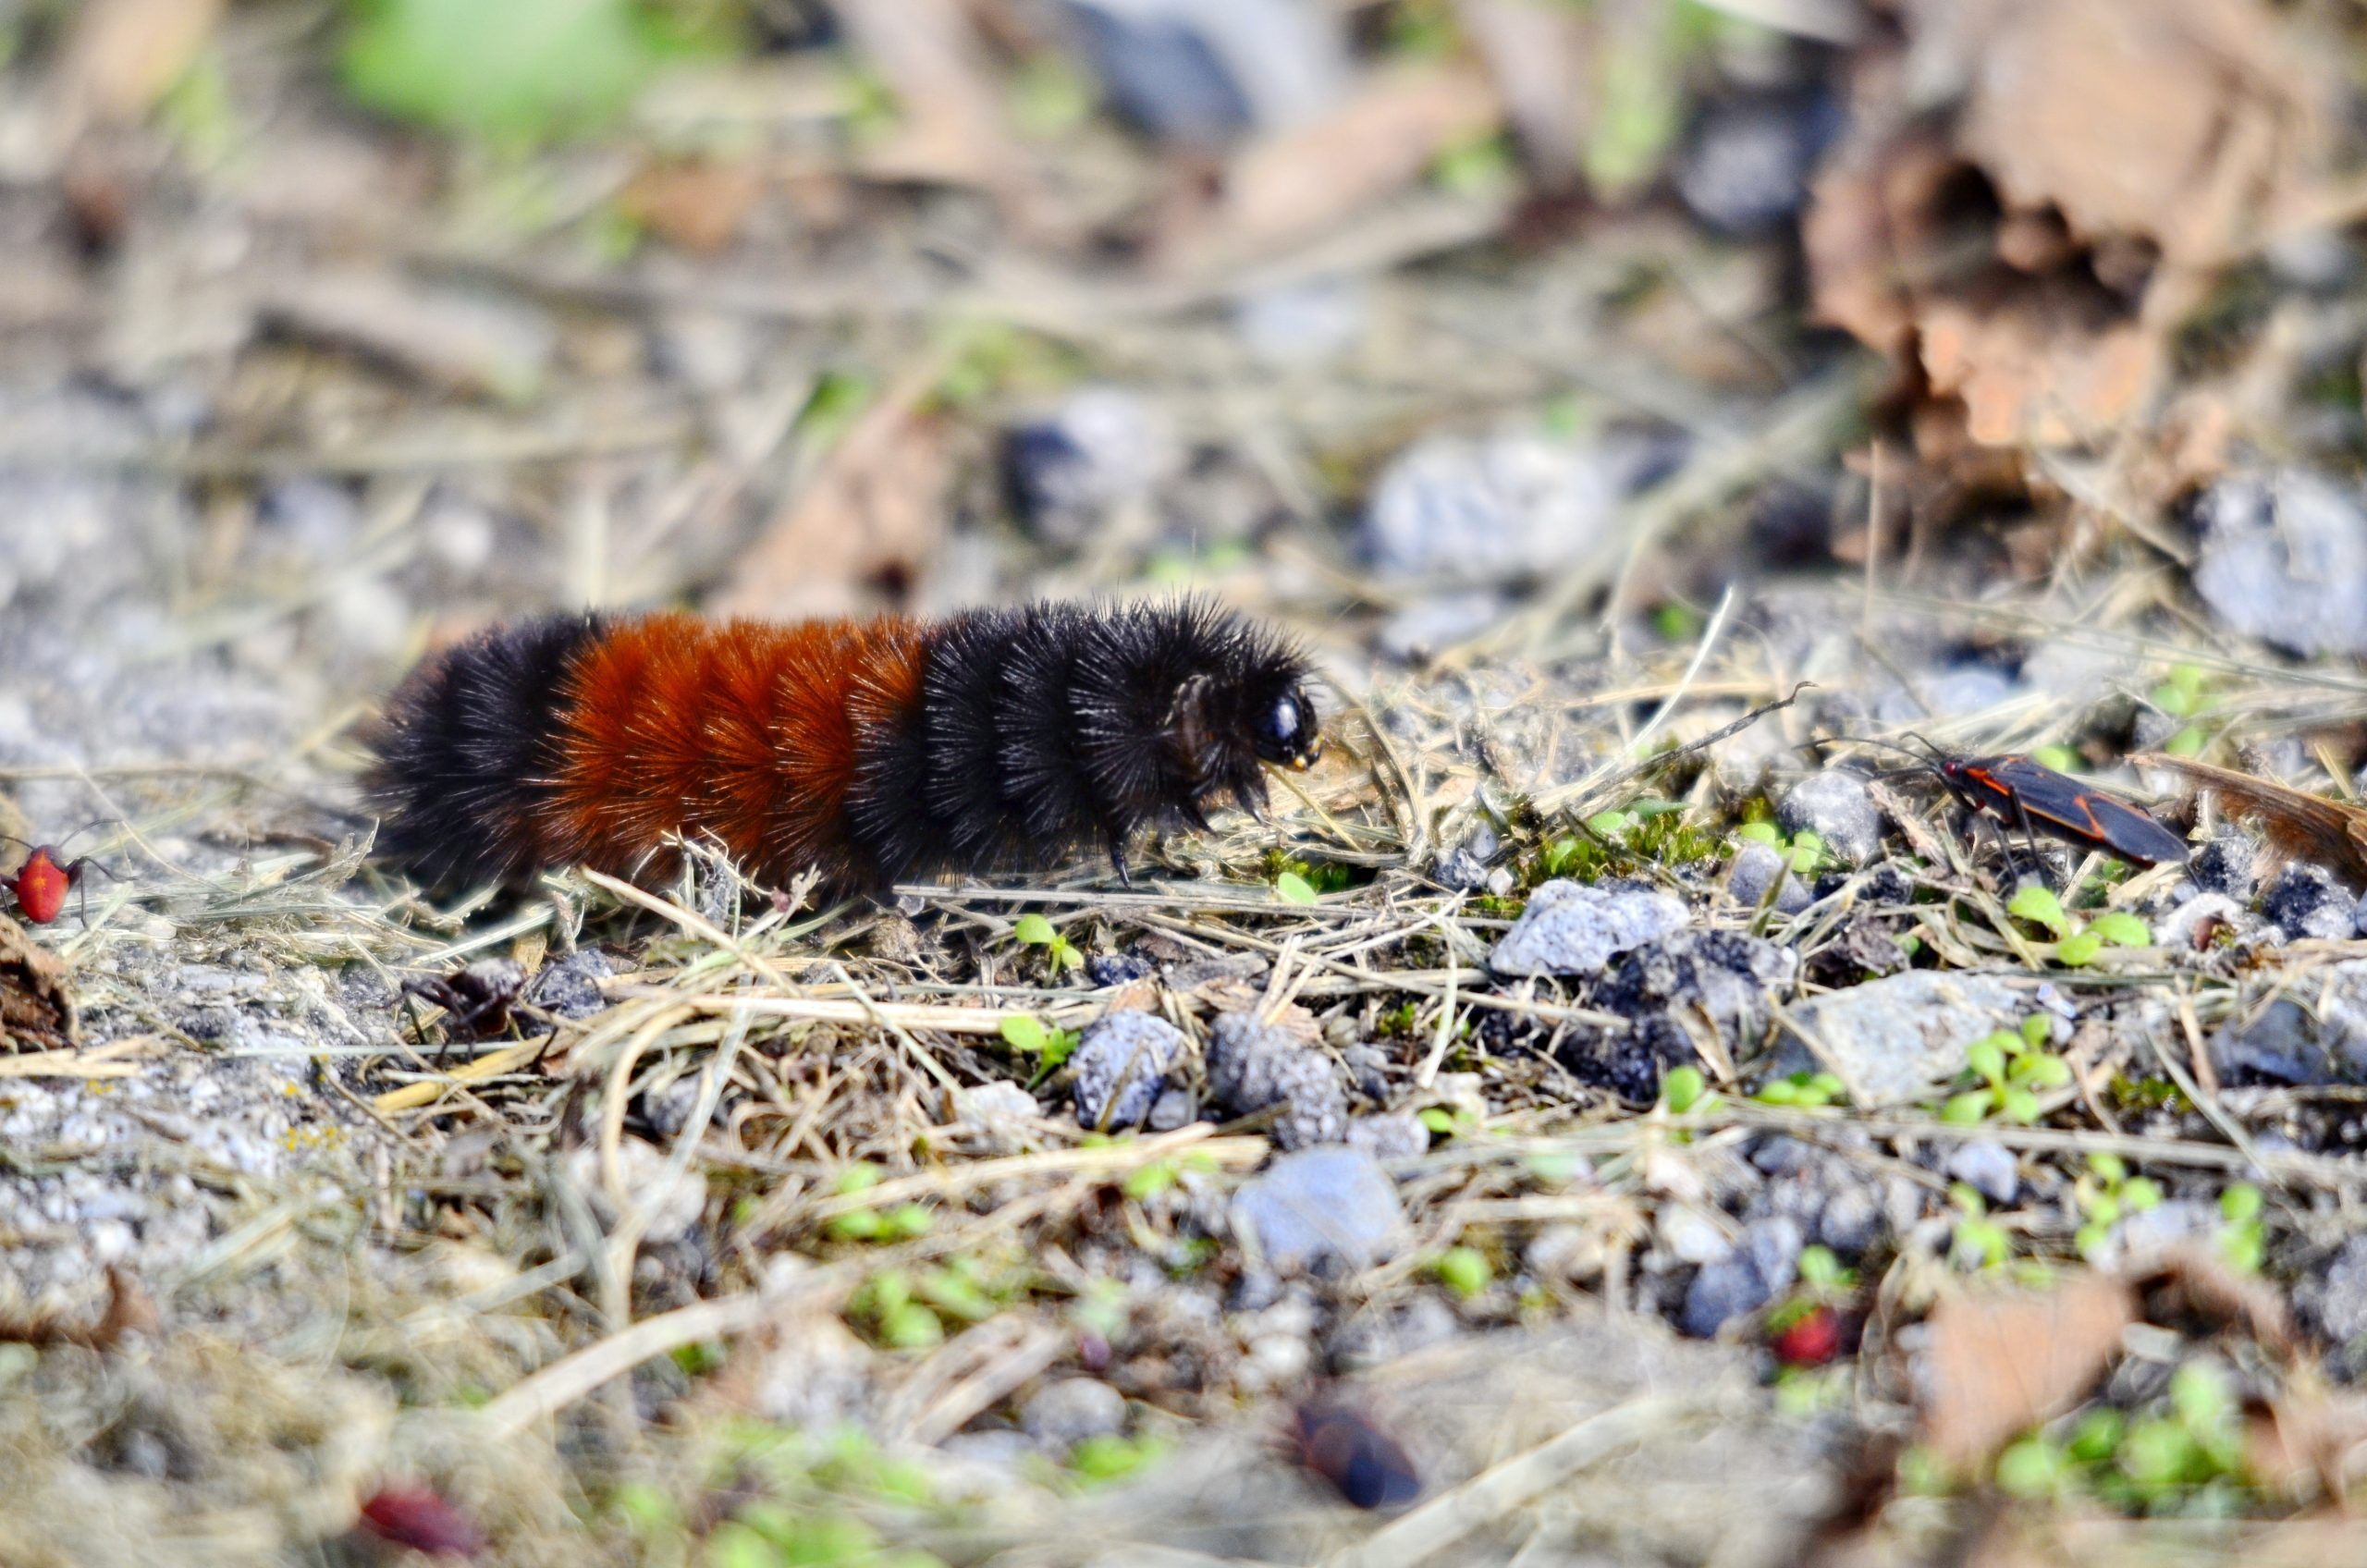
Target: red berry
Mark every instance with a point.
(418, 1517)
(1811, 1340)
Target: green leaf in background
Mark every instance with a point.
(2077, 952)
(1682, 1088)
(515, 71)
(2121, 929)
(2039, 907)
(1292, 888)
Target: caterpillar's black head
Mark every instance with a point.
(1181, 705)
(1243, 703)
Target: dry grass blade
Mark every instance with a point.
(1434, 1528)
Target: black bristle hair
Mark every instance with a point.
(467, 749)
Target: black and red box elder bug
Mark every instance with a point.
(2030, 795)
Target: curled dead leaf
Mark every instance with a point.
(1315, 177)
(36, 995)
(700, 204)
(2027, 260)
(2308, 1440)
(2002, 1362)
(2176, 120)
(2200, 1283)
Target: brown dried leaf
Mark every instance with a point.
(1871, 214)
(36, 998)
(2040, 371)
(2310, 1439)
(2134, 145)
(125, 54)
(2002, 1362)
(2303, 826)
(700, 204)
(2205, 1286)
(2174, 120)
(875, 511)
(1315, 177)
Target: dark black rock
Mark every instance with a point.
(2304, 901)
(1669, 988)
(569, 988)
(1745, 167)
(1866, 946)
(1118, 969)
(2223, 865)
(1724, 976)
(1887, 883)
(1255, 1066)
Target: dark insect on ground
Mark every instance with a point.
(476, 999)
(2026, 794)
(1367, 1466)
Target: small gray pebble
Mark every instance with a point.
(1121, 1066)
(1754, 871)
(1464, 867)
(1118, 969)
(1987, 1166)
(1367, 1071)
(2334, 1300)
(1454, 510)
(1765, 1264)
(1851, 1221)
(1321, 1209)
(1254, 1065)
(1745, 167)
(1062, 1414)
(1569, 928)
(1399, 1135)
(1838, 807)
(569, 986)
(1173, 1108)
(2283, 557)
